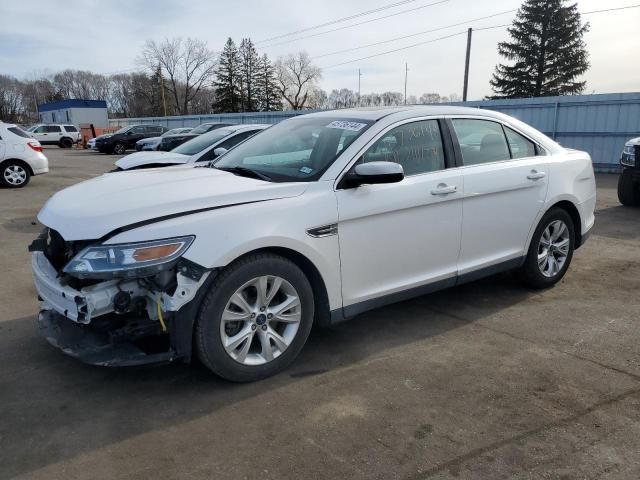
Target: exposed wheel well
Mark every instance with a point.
(321, 299)
(571, 209)
(17, 160)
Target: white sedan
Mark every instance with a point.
(21, 156)
(199, 150)
(315, 220)
(152, 143)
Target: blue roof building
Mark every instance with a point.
(76, 112)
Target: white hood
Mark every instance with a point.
(91, 209)
(139, 159)
(633, 141)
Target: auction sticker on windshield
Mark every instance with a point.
(342, 125)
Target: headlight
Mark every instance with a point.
(128, 259)
(628, 157)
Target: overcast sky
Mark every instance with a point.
(106, 36)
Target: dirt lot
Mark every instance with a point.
(487, 381)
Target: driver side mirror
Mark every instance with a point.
(374, 173)
(219, 151)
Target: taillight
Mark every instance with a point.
(35, 146)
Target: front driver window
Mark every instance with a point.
(416, 146)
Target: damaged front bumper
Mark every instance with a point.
(85, 324)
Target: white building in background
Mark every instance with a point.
(76, 112)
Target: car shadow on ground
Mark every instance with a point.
(46, 396)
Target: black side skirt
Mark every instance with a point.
(340, 315)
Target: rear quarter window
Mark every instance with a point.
(70, 128)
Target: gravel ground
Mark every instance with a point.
(488, 380)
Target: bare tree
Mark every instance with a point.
(296, 78)
(188, 64)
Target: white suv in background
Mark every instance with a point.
(20, 156)
(65, 136)
(315, 220)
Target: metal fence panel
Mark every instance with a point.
(599, 124)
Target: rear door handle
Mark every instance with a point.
(536, 175)
(444, 189)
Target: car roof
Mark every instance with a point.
(243, 126)
(405, 111)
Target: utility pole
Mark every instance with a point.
(164, 103)
(406, 73)
(466, 66)
(359, 75)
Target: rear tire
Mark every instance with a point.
(628, 190)
(14, 174)
(550, 251)
(243, 336)
(66, 143)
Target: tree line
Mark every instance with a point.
(545, 55)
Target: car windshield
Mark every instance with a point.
(196, 145)
(202, 128)
(122, 130)
(295, 150)
(175, 131)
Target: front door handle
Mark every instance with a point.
(444, 189)
(536, 175)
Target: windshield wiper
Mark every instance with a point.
(246, 172)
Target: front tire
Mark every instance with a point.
(255, 319)
(550, 251)
(628, 190)
(119, 148)
(14, 174)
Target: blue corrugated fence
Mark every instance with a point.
(599, 124)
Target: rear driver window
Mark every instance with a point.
(481, 141)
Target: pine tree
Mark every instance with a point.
(227, 79)
(269, 97)
(250, 66)
(547, 49)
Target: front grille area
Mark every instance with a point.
(57, 250)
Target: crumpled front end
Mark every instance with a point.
(117, 321)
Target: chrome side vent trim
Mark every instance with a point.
(323, 230)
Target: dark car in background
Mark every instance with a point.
(629, 181)
(125, 138)
(169, 142)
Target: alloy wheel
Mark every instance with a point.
(15, 175)
(260, 320)
(553, 248)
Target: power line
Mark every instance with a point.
(461, 33)
(397, 49)
(414, 34)
(612, 9)
(339, 20)
(355, 24)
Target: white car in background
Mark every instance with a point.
(151, 144)
(315, 220)
(20, 156)
(63, 135)
(198, 150)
